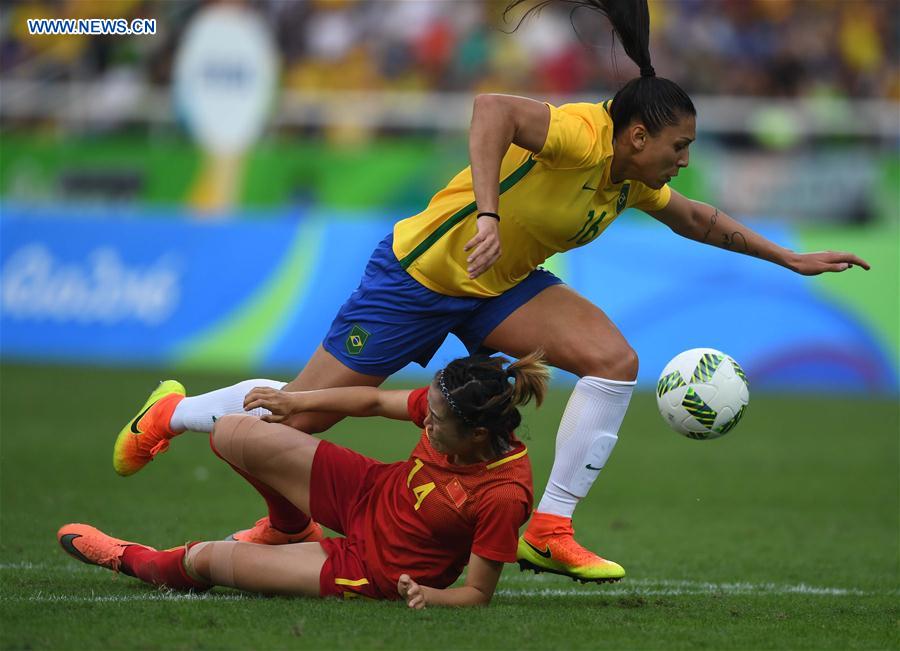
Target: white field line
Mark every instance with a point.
(42, 597)
(760, 589)
(721, 589)
(66, 568)
(665, 587)
(515, 587)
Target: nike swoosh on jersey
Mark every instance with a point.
(587, 187)
(590, 467)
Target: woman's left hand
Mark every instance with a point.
(484, 247)
(411, 591)
(813, 264)
(281, 403)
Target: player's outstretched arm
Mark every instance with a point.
(349, 401)
(481, 581)
(704, 223)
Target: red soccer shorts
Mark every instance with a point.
(339, 494)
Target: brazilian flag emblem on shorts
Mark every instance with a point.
(356, 340)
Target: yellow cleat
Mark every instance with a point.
(148, 433)
(549, 546)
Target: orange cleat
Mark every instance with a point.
(263, 533)
(148, 433)
(549, 546)
(92, 546)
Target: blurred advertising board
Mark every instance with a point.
(255, 295)
(826, 184)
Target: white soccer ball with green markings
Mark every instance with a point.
(702, 393)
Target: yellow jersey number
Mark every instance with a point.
(421, 491)
(589, 230)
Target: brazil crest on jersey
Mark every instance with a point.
(553, 201)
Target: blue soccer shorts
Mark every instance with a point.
(391, 319)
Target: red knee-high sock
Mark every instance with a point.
(159, 568)
(283, 515)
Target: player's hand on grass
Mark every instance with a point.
(411, 591)
(484, 248)
(812, 264)
(281, 403)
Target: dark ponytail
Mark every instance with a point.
(482, 393)
(654, 101)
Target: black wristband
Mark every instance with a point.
(489, 214)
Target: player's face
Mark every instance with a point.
(664, 154)
(445, 433)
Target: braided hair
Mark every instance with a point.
(484, 391)
(654, 101)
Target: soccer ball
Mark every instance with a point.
(702, 393)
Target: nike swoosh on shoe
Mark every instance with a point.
(134, 423)
(68, 544)
(546, 553)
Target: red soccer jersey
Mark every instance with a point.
(426, 515)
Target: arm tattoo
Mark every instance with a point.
(712, 222)
(737, 242)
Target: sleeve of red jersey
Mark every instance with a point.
(417, 404)
(499, 517)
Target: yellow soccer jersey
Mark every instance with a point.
(553, 201)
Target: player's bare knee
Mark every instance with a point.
(627, 369)
(618, 363)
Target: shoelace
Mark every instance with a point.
(161, 446)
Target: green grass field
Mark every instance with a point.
(784, 534)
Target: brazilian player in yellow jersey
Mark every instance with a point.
(554, 198)
(542, 180)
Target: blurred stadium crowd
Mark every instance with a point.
(764, 48)
(109, 164)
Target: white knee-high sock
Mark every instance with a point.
(587, 435)
(198, 413)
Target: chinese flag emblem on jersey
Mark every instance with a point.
(457, 493)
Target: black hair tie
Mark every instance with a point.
(648, 71)
(489, 214)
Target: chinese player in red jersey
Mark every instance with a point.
(410, 527)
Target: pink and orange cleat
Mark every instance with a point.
(148, 433)
(263, 533)
(92, 546)
(549, 546)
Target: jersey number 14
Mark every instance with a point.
(421, 491)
